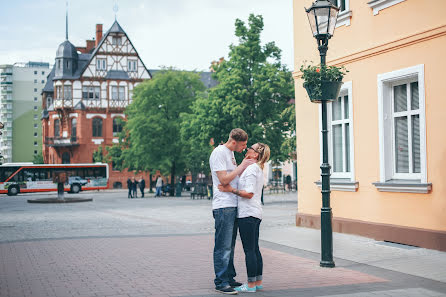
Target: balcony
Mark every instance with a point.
(61, 141)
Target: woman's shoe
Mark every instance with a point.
(245, 288)
(259, 287)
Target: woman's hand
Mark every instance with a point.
(226, 188)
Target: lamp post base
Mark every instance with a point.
(328, 264)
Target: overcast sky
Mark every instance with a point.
(186, 34)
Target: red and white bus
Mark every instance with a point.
(28, 177)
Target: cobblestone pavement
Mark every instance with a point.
(116, 246)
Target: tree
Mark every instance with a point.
(253, 91)
(98, 155)
(38, 159)
(153, 122)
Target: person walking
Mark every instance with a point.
(224, 208)
(249, 214)
(134, 186)
(129, 186)
(159, 185)
(142, 186)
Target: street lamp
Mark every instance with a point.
(322, 16)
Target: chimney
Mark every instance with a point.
(98, 34)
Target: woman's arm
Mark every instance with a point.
(241, 193)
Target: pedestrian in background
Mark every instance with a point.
(142, 185)
(134, 186)
(159, 185)
(129, 186)
(249, 214)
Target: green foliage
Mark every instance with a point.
(314, 75)
(150, 139)
(98, 155)
(254, 89)
(38, 159)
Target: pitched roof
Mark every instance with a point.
(117, 74)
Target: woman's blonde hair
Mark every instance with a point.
(264, 152)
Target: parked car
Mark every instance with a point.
(76, 183)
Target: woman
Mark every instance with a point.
(250, 214)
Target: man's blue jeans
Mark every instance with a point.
(225, 235)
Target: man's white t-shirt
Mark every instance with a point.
(222, 159)
(251, 181)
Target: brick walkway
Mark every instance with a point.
(146, 266)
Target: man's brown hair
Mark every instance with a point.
(238, 135)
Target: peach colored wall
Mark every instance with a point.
(396, 23)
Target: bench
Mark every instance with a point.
(200, 190)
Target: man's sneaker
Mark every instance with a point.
(259, 287)
(245, 288)
(235, 283)
(226, 290)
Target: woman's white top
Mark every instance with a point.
(251, 181)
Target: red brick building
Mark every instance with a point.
(86, 92)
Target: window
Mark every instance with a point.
(35, 99)
(118, 93)
(35, 90)
(97, 127)
(36, 117)
(59, 64)
(56, 128)
(43, 72)
(90, 93)
(132, 65)
(35, 134)
(35, 152)
(58, 92)
(35, 81)
(402, 133)
(43, 81)
(117, 126)
(35, 72)
(35, 143)
(35, 126)
(73, 129)
(101, 64)
(35, 107)
(116, 40)
(340, 141)
(49, 101)
(344, 12)
(67, 92)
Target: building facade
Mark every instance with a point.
(86, 94)
(20, 89)
(386, 145)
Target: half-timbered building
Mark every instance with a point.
(86, 92)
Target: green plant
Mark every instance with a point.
(314, 75)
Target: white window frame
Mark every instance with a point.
(378, 5)
(386, 81)
(132, 65)
(347, 179)
(101, 64)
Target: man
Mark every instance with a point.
(224, 208)
(159, 185)
(129, 186)
(134, 188)
(142, 186)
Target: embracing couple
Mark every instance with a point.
(237, 205)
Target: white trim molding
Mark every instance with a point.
(378, 5)
(73, 115)
(115, 140)
(97, 140)
(118, 115)
(55, 116)
(338, 184)
(389, 180)
(93, 115)
(344, 18)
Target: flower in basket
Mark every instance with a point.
(322, 82)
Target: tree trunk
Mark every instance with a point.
(150, 183)
(172, 180)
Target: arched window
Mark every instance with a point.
(56, 128)
(97, 127)
(73, 129)
(49, 101)
(66, 158)
(117, 126)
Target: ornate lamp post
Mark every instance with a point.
(322, 16)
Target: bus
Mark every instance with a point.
(18, 178)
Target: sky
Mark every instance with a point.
(185, 34)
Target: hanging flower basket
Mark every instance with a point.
(329, 91)
(323, 83)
